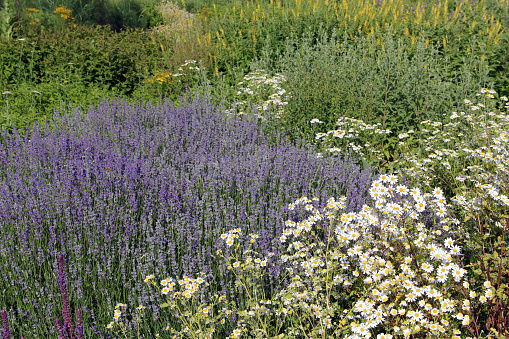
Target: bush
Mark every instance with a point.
(465, 154)
(119, 15)
(374, 80)
(27, 103)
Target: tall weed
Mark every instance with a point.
(239, 29)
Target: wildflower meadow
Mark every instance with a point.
(257, 169)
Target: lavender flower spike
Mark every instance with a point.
(66, 314)
(79, 325)
(60, 329)
(5, 322)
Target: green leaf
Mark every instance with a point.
(468, 217)
(501, 295)
(365, 163)
(495, 255)
(165, 305)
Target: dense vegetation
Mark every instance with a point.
(288, 168)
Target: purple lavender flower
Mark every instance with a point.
(66, 314)
(79, 325)
(5, 322)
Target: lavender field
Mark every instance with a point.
(128, 190)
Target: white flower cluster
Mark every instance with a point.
(264, 91)
(405, 135)
(403, 265)
(350, 129)
(230, 236)
(484, 148)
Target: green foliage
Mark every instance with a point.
(195, 6)
(74, 64)
(499, 66)
(6, 18)
(243, 38)
(238, 28)
(120, 14)
(28, 103)
(149, 16)
(33, 22)
(116, 13)
(93, 55)
(374, 80)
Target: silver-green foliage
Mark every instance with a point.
(375, 79)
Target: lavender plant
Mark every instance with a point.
(128, 190)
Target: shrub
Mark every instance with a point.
(467, 154)
(118, 14)
(99, 56)
(26, 103)
(371, 79)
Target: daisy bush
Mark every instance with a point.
(387, 274)
(467, 154)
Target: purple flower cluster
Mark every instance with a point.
(66, 330)
(126, 190)
(6, 332)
